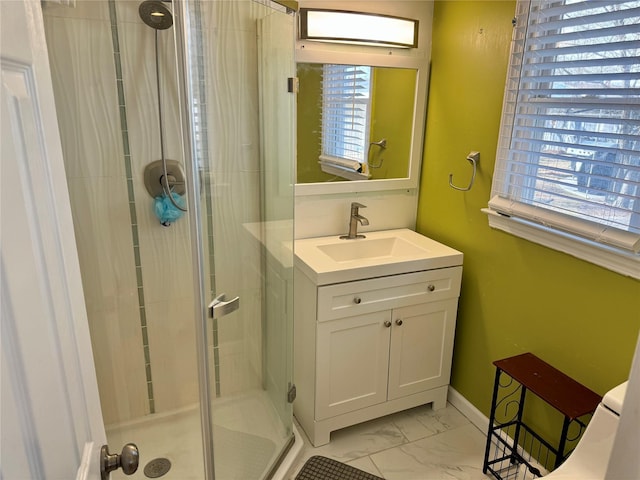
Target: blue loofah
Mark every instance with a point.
(166, 211)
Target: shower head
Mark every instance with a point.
(155, 14)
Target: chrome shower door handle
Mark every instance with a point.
(221, 306)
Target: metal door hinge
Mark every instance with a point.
(293, 85)
(291, 394)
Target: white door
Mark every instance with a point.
(51, 420)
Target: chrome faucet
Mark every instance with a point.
(353, 221)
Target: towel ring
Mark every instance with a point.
(474, 158)
(382, 144)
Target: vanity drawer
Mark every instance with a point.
(364, 296)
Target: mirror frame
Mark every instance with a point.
(304, 55)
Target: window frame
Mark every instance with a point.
(559, 232)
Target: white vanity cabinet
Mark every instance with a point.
(367, 348)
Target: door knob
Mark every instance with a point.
(398, 322)
(387, 323)
(127, 460)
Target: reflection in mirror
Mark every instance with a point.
(354, 122)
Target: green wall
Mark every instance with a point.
(394, 91)
(516, 296)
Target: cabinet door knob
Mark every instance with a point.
(398, 322)
(357, 300)
(387, 323)
(431, 287)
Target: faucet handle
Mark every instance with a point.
(357, 205)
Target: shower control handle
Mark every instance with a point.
(221, 306)
(127, 460)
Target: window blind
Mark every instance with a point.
(569, 147)
(345, 111)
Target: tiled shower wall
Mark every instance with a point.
(137, 275)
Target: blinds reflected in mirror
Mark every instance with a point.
(346, 111)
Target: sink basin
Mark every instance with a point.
(328, 260)
(369, 248)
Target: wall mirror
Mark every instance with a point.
(354, 122)
(360, 126)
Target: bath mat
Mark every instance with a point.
(323, 468)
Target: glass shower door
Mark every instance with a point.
(240, 57)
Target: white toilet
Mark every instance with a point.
(590, 458)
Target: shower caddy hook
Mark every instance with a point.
(474, 159)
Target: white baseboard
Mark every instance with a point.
(465, 407)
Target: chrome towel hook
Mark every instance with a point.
(474, 158)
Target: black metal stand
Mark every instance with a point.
(511, 443)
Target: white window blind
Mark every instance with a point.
(346, 104)
(569, 148)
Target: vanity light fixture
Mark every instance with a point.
(340, 26)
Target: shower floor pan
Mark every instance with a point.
(247, 432)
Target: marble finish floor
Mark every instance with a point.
(417, 444)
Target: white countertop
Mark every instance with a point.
(325, 260)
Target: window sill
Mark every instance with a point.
(342, 171)
(619, 261)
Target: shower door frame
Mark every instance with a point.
(197, 246)
(181, 16)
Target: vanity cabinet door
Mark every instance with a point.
(352, 363)
(421, 347)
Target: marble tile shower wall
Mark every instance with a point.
(121, 246)
(165, 252)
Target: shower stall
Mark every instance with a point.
(199, 90)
